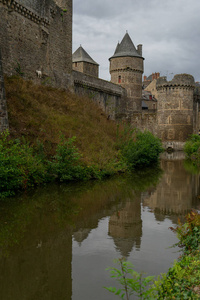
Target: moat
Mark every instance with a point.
(56, 242)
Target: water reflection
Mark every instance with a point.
(177, 191)
(60, 233)
(125, 226)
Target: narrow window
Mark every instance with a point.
(75, 64)
(119, 79)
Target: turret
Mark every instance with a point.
(82, 62)
(175, 109)
(126, 69)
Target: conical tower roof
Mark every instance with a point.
(126, 48)
(80, 55)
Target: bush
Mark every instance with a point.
(19, 168)
(66, 164)
(142, 150)
(192, 148)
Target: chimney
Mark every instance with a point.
(145, 77)
(139, 49)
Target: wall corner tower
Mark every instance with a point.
(126, 69)
(175, 109)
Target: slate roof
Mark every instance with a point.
(126, 48)
(80, 55)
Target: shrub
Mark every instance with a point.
(189, 233)
(142, 150)
(192, 148)
(19, 168)
(66, 164)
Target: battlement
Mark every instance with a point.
(29, 9)
(181, 81)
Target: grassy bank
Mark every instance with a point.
(43, 113)
(57, 136)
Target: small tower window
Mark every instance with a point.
(119, 79)
(75, 64)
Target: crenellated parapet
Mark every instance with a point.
(14, 5)
(180, 81)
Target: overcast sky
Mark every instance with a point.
(169, 31)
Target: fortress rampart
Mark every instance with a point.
(37, 35)
(3, 106)
(110, 97)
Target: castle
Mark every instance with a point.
(36, 42)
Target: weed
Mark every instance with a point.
(132, 282)
(18, 69)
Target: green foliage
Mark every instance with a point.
(192, 149)
(141, 150)
(23, 166)
(132, 282)
(18, 69)
(181, 281)
(66, 163)
(19, 168)
(189, 233)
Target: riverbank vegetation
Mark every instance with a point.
(182, 281)
(56, 136)
(192, 149)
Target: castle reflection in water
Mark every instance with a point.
(37, 233)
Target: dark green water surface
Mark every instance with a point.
(57, 241)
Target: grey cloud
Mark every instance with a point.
(169, 31)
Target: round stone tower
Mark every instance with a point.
(126, 69)
(175, 109)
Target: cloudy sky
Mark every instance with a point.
(169, 31)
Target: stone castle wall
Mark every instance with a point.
(3, 107)
(130, 70)
(175, 108)
(110, 97)
(87, 68)
(37, 35)
(145, 121)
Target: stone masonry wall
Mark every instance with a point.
(175, 108)
(145, 121)
(87, 68)
(3, 107)
(130, 70)
(37, 35)
(110, 97)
